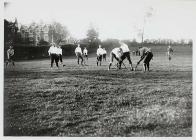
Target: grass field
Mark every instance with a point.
(91, 101)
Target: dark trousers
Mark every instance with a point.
(104, 57)
(60, 58)
(148, 57)
(54, 57)
(125, 55)
(99, 59)
(79, 56)
(10, 60)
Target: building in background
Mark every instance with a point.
(34, 33)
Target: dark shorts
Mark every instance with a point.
(104, 55)
(60, 58)
(126, 55)
(11, 58)
(78, 54)
(148, 57)
(99, 58)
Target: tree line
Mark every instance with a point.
(24, 49)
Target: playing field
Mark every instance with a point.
(92, 101)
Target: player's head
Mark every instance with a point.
(11, 47)
(169, 46)
(99, 46)
(78, 45)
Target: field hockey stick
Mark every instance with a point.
(135, 67)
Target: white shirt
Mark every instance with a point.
(125, 48)
(59, 51)
(51, 50)
(85, 51)
(100, 51)
(104, 52)
(78, 50)
(118, 52)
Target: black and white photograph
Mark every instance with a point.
(98, 68)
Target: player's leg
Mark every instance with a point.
(82, 60)
(56, 60)
(147, 59)
(100, 59)
(144, 67)
(78, 58)
(7, 63)
(129, 59)
(97, 60)
(60, 58)
(111, 60)
(52, 59)
(122, 59)
(148, 66)
(13, 63)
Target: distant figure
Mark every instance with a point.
(147, 55)
(85, 52)
(169, 52)
(99, 55)
(78, 52)
(137, 52)
(10, 56)
(53, 51)
(126, 54)
(59, 53)
(104, 54)
(115, 53)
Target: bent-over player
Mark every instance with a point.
(115, 53)
(126, 54)
(146, 55)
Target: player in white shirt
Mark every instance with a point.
(99, 55)
(85, 52)
(60, 53)
(53, 51)
(117, 54)
(126, 54)
(104, 54)
(169, 52)
(10, 56)
(78, 52)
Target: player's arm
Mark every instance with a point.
(49, 51)
(8, 56)
(142, 57)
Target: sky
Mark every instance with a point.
(120, 19)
